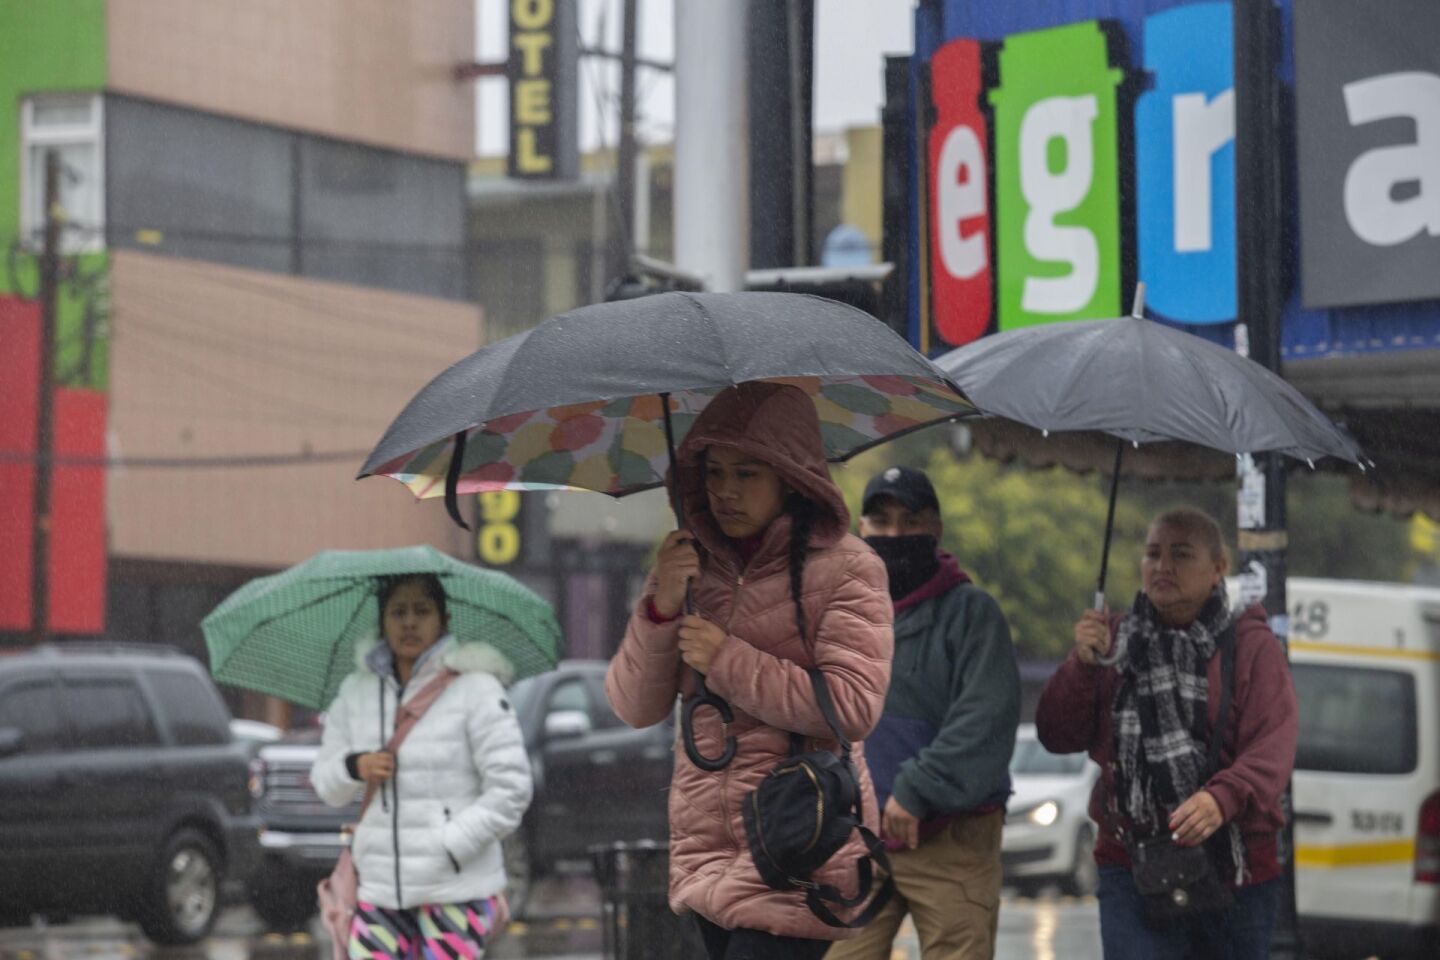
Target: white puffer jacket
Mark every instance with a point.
(462, 779)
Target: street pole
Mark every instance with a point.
(45, 409)
(624, 238)
(712, 122)
(781, 42)
(1262, 533)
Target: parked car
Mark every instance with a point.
(596, 781)
(123, 789)
(1049, 836)
(255, 732)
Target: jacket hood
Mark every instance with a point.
(472, 656)
(775, 423)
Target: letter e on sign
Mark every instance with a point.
(959, 191)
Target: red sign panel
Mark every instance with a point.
(77, 564)
(960, 271)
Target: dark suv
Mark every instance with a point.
(596, 781)
(121, 789)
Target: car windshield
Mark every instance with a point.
(1034, 760)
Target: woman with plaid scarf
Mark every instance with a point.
(1148, 720)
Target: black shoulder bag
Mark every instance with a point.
(803, 812)
(1176, 882)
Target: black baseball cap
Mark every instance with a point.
(912, 488)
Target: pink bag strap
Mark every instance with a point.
(409, 715)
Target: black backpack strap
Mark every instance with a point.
(827, 706)
(1227, 689)
(816, 895)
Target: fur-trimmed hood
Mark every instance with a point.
(469, 656)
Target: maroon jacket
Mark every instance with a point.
(1256, 755)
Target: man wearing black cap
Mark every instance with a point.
(940, 756)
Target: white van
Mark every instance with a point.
(1366, 662)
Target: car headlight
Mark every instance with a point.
(1045, 814)
(256, 781)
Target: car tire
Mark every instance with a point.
(285, 902)
(1084, 876)
(180, 901)
(522, 869)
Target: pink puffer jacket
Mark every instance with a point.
(760, 669)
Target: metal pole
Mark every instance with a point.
(45, 407)
(622, 244)
(712, 120)
(799, 35)
(1263, 538)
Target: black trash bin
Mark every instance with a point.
(638, 923)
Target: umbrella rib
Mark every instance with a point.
(335, 650)
(305, 606)
(721, 347)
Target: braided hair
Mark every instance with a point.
(802, 515)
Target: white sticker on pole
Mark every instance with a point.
(1250, 505)
(1254, 583)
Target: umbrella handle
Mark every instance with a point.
(687, 728)
(704, 698)
(1117, 649)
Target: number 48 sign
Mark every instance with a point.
(497, 535)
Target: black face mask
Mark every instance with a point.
(910, 561)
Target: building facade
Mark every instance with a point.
(266, 256)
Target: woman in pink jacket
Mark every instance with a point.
(780, 586)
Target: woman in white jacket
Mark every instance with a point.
(427, 850)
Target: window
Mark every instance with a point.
(33, 708)
(1355, 720)
(108, 712)
(570, 695)
(195, 716)
(73, 126)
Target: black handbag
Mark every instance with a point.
(1176, 882)
(801, 815)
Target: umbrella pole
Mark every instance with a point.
(1109, 527)
(703, 698)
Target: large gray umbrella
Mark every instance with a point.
(586, 399)
(1141, 382)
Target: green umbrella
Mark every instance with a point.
(293, 635)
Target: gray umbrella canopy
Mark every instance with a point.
(1142, 381)
(576, 401)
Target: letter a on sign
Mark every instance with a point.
(960, 273)
(1057, 177)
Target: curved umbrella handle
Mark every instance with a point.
(1117, 649)
(687, 728)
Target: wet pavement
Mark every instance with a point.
(564, 924)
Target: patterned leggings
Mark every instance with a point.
(441, 931)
